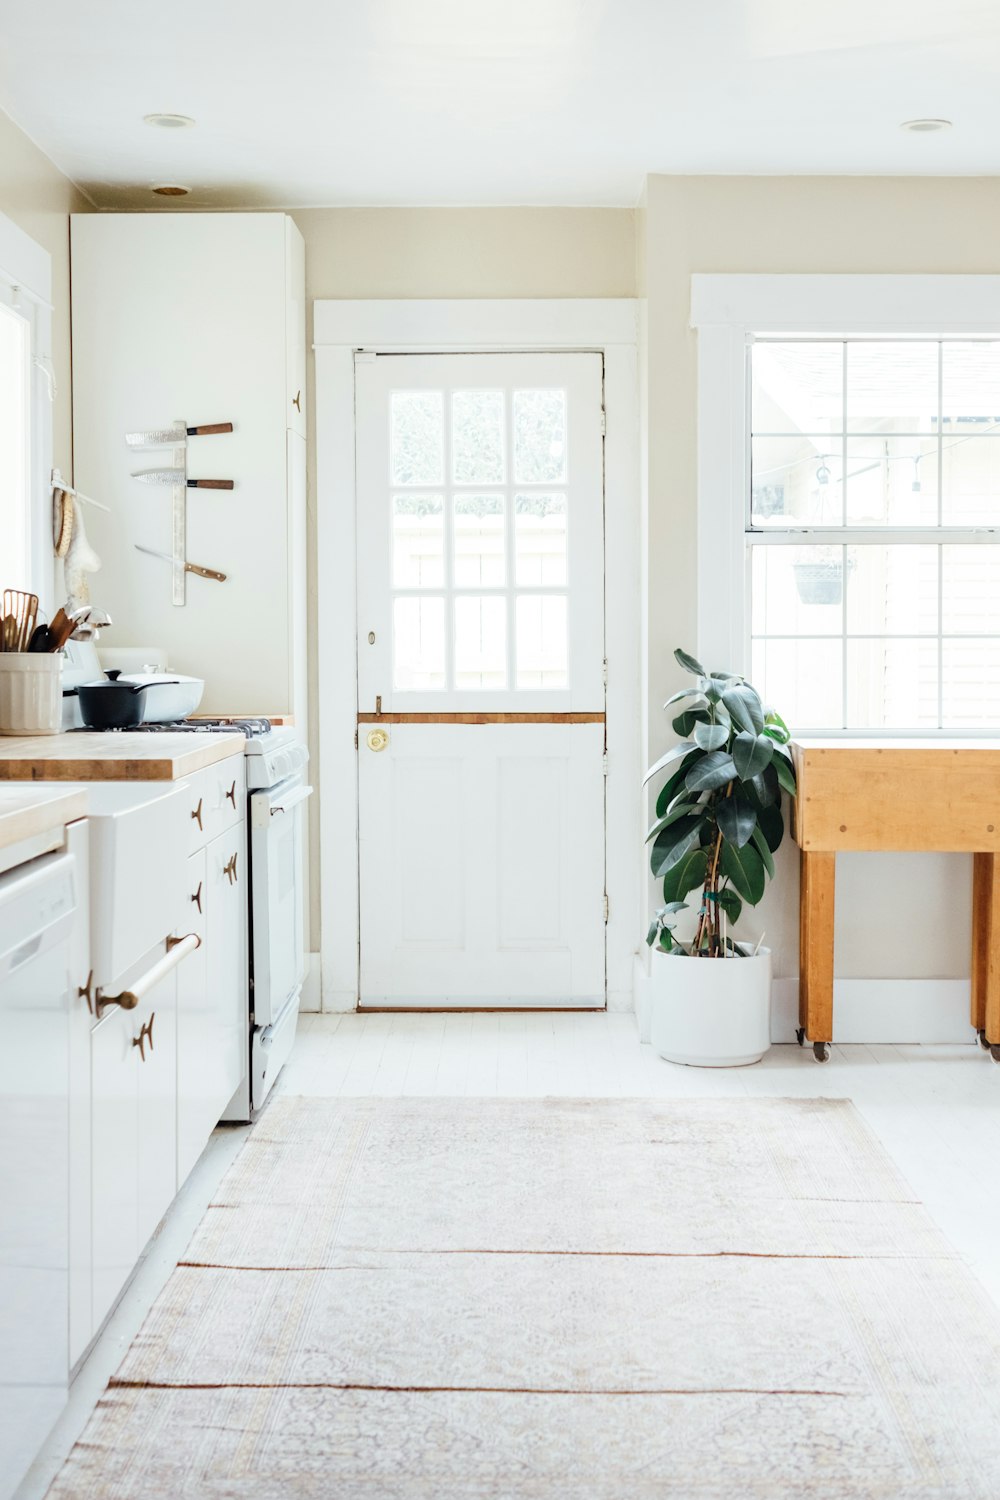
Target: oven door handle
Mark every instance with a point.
(292, 800)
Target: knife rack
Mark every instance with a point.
(178, 522)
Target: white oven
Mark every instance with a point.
(277, 896)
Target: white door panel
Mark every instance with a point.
(482, 865)
(481, 649)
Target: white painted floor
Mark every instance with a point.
(936, 1111)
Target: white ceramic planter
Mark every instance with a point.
(711, 1012)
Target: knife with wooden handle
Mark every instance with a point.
(177, 476)
(165, 437)
(189, 567)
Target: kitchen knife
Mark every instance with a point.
(176, 476)
(188, 566)
(162, 437)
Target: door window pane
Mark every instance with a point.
(797, 387)
(892, 386)
(417, 541)
(477, 424)
(540, 538)
(481, 641)
(542, 647)
(479, 541)
(892, 684)
(417, 437)
(539, 436)
(418, 656)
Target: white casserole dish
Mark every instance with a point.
(167, 701)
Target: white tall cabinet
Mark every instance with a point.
(199, 317)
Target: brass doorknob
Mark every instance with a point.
(377, 739)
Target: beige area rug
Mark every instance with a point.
(511, 1299)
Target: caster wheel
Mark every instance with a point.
(821, 1051)
(995, 1052)
(982, 1040)
(800, 1035)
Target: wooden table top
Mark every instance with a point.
(29, 810)
(113, 755)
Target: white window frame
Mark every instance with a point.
(728, 312)
(26, 286)
(343, 328)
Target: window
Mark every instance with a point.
(15, 448)
(873, 523)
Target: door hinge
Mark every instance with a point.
(606, 906)
(604, 763)
(355, 739)
(604, 423)
(604, 671)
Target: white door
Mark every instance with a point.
(481, 679)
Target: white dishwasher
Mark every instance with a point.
(37, 905)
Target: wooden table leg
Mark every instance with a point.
(816, 904)
(982, 877)
(985, 937)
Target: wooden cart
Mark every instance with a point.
(937, 795)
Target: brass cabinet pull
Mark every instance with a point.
(83, 992)
(126, 1000)
(297, 401)
(145, 1035)
(231, 794)
(197, 813)
(229, 870)
(196, 898)
(177, 948)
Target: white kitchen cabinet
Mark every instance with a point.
(81, 1021)
(200, 317)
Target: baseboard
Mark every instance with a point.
(311, 1000)
(339, 1002)
(883, 1010)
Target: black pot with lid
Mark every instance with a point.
(110, 704)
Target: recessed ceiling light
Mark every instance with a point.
(924, 126)
(171, 190)
(169, 122)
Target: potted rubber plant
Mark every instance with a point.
(718, 824)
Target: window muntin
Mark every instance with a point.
(872, 521)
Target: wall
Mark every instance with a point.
(761, 224)
(446, 252)
(40, 199)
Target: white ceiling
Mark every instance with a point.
(316, 102)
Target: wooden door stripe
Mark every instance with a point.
(481, 718)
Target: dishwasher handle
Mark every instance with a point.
(177, 949)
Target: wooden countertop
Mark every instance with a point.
(28, 810)
(113, 756)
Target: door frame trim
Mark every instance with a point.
(607, 326)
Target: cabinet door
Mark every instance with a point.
(227, 961)
(295, 327)
(81, 1021)
(197, 1063)
(115, 1159)
(154, 1033)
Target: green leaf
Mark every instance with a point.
(673, 843)
(744, 869)
(736, 819)
(745, 707)
(775, 726)
(684, 748)
(666, 941)
(730, 903)
(710, 736)
(772, 826)
(688, 663)
(752, 752)
(700, 700)
(671, 816)
(654, 928)
(669, 788)
(760, 844)
(785, 774)
(685, 722)
(672, 907)
(686, 876)
(710, 772)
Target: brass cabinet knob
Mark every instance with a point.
(297, 400)
(231, 794)
(377, 739)
(145, 1035)
(229, 870)
(196, 898)
(83, 992)
(197, 813)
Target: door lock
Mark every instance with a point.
(377, 739)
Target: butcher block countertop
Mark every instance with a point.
(28, 810)
(113, 755)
